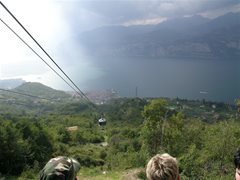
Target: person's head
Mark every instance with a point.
(60, 168)
(237, 164)
(162, 167)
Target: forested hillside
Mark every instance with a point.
(202, 135)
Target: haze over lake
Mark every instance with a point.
(136, 57)
(211, 79)
(108, 50)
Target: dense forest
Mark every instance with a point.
(202, 135)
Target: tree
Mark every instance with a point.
(174, 139)
(210, 153)
(39, 141)
(221, 140)
(152, 132)
(13, 149)
(64, 136)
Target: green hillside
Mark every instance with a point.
(38, 89)
(203, 136)
(33, 98)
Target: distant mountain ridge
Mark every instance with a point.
(38, 89)
(194, 36)
(10, 83)
(34, 92)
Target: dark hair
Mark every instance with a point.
(237, 159)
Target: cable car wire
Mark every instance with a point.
(39, 56)
(44, 51)
(24, 94)
(14, 102)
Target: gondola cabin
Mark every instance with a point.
(102, 122)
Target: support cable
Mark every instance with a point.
(24, 94)
(44, 51)
(14, 102)
(39, 56)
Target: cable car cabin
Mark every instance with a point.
(102, 122)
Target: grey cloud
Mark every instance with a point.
(116, 11)
(176, 8)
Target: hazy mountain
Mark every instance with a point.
(183, 24)
(225, 21)
(10, 83)
(31, 97)
(31, 93)
(38, 89)
(191, 36)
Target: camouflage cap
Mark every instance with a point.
(60, 168)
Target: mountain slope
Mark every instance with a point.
(33, 98)
(38, 89)
(193, 36)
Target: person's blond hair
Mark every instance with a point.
(162, 167)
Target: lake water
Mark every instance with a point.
(211, 79)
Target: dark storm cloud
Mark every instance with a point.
(114, 10)
(120, 11)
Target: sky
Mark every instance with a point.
(55, 22)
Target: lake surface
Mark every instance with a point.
(211, 79)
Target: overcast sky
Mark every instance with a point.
(53, 23)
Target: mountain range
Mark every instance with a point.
(194, 36)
